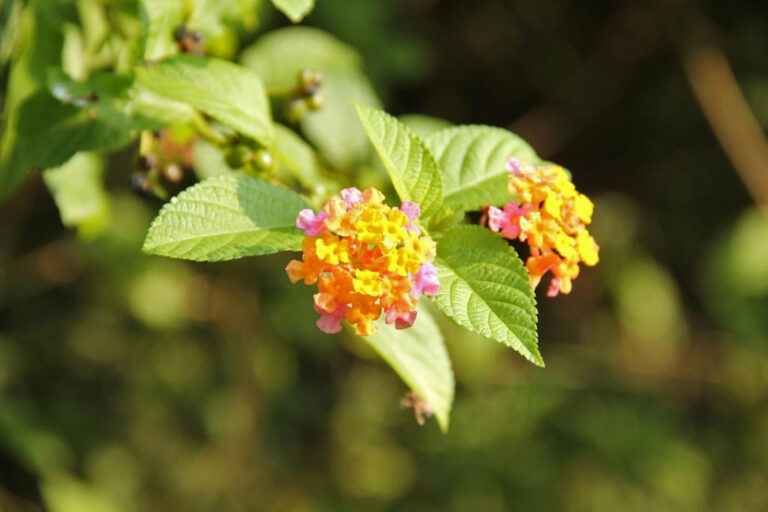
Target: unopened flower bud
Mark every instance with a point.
(173, 173)
(316, 101)
(295, 109)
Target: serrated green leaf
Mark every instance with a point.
(78, 191)
(411, 166)
(231, 94)
(472, 160)
(334, 130)
(296, 10)
(419, 357)
(161, 19)
(485, 288)
(227, 217)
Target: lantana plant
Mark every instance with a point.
(269, 155)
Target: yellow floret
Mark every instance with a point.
(554, 205)
(588, 248)
(564, 245)
(326, 249)
(367, 282)
(583, 208)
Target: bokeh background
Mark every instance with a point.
(131, 383)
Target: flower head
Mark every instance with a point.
(552, 217)
(366, 258)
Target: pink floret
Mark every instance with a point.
(402, 320)
(411, 210)
(351, 195)
(330, 323)
(514, 165)
(425, 281)
(507, 220)
(311, 224)
(497, 218)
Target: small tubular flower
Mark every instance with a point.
(366, 258)
(552, 217)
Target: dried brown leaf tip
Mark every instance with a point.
(421, 408)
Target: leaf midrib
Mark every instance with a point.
(220, 234)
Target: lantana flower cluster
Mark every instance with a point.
(367, 258)
(552, 217)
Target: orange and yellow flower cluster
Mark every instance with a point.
(552, 217)
(367, 258)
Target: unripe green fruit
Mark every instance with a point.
(316, 101)
(306, 77)
(296, 109)
(263, 160)
(238, 156)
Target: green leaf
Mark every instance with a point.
(216, 17)
(50, 132)
(334, 130)
(209, 160)
(298, 158)
(278, 56)
(485, 288)
(227, 217)
(296, 10)
(81, 116)
(10, 16)
(472, 160)
(229, 93)
(161, 19)
(424, 126)
(411, 166)
(419, 357)
(163, 111)
(78, 190)
(38, 46)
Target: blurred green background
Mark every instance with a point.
(132, 383)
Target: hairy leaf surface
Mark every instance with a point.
(485, 288)
(411, 166)
(231, 94)
(227, 217)
(472, 160)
